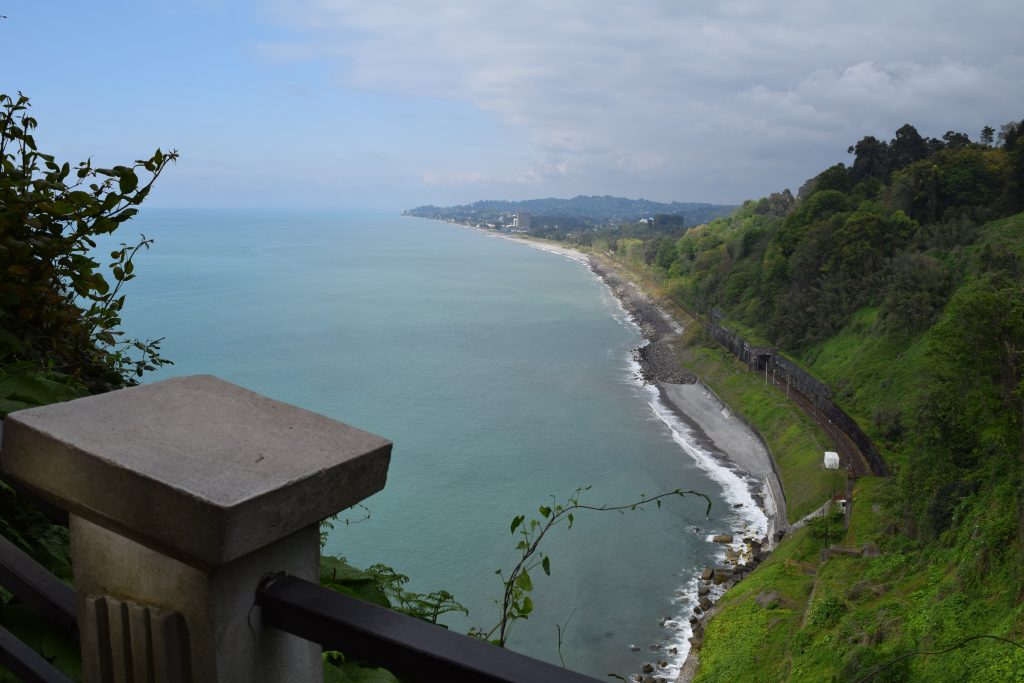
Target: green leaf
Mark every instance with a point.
(527, 606)
(128, 181)
(356, 672)
(545, 510)
(516, 522)
(546, 565)
(523, 581)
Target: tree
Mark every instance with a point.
(955, 140)
(58, 311)
(987, 136)
(871, 159)
(1008, 133)
(907, 147)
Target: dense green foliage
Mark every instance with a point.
(59, 313)
(898, 281)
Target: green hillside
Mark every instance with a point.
(897, 281)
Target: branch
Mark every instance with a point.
(936, 652)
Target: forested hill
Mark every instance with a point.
(580, 213)
(899, 281)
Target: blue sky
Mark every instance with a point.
(333, 103)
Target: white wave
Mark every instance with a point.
(747, 520)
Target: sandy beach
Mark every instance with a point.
(728, 438)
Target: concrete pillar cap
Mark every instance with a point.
(195, 467)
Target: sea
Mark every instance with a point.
(504, 376)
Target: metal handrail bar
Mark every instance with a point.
(402, 644)
(25, 663)
(35, 586)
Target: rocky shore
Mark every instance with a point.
(657, 359)
(719, 432)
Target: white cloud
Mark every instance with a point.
(691, 101)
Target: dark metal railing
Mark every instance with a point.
(34, 586)
(361, 630)
(25, 663)
(402, 644)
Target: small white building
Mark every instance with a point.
(831, 460)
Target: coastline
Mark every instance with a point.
(712, 426)
(713, 423)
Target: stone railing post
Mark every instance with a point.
(183, 494)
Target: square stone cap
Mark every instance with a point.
(195, 467)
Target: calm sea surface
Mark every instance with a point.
(502, 374)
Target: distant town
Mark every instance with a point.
(571, 215)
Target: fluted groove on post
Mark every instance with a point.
(137, 643)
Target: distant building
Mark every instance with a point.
(520, 222)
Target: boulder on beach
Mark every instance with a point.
(722, 574)
(721, 538)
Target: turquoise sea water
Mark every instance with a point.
(502, 374)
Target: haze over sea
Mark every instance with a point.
(503, 376)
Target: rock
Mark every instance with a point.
(693, 620)
(703, 589)
(721, 538)
(761, 555)
(698, 611)
(721, 575)
(663, 664)
(647, 668)
(707, 574)
(768, 598)
(674, 651)
(704, 603)
(634, 648)
(737, 505)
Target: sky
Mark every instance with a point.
(396, 103)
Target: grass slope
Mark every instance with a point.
(932, 588)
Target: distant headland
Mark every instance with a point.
(578, 213)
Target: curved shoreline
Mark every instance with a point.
(716, 426)
(716, 429)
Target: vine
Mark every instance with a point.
(516, 602)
